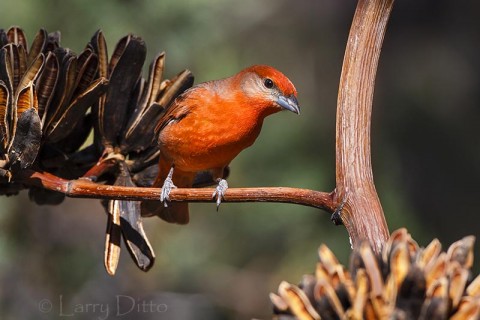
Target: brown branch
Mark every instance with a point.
(84, 188)
(107, 162)
(362, 215)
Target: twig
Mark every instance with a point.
(362, 215)
(84, 188)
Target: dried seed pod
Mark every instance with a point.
(3, 38)
(32, 73)
(280, 306)
(4, 121)
(87, 68)
(16, 36)
(418, 283)
(125, 218)
(399, 263)
(8, 61)
(411, 294)
(427, 257)
(132, 227)
(98, 44)
(38, 45)
(458, 280)
(469, 308)
(72, 142)
(123, 73)
(462, 251)
(439, 269)
(64, 87)
(373, 271)
(297, 302)
(323, 289)
(327, 258)
(75, 112)
(26, 143)
(170, 89)
(152, 90)
(436, 303)
(361, 295)
(53, 41)
(16, 62)
(138, 134)
(473, 288)
(113, 237)
(46, 84)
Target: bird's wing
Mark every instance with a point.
(176, 112)
(182, 106)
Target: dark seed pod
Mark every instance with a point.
(124, 71)
(3, 38)
(16, 36)
(26, 142)
(140, 132)
(38, 45)
(4, 119)
(75, 112)
(124, 217)
(46, 84)
(53, 41)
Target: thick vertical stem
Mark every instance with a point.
(362, 214)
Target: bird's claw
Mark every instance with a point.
(167, 188)
(220, 190)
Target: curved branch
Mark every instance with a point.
(84, 188)
(362, 215)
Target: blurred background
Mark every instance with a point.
(224, 264)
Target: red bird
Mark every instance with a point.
(207, 126)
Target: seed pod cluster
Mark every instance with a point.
(404, 282)
(45, 91)
(87, 115)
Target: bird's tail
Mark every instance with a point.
(174, 212)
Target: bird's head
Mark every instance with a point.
(272, 90)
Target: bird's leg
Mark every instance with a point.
(218, 175)
(220, 190)
(167, 187)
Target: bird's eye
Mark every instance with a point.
(268, 83)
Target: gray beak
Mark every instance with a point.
(289, 103)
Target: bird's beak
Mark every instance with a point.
(289, 103)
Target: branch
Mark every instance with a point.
(84, 188)
(362, 214)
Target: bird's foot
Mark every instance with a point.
(220, 190)
(167, 188)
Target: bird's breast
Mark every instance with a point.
(203, 141)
